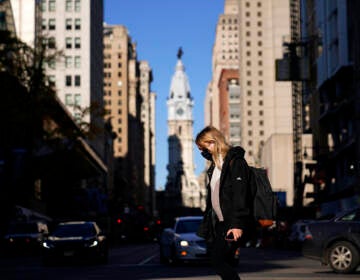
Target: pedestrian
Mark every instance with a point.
(227, 217)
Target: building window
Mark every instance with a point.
(68, 61)
(43, 24)
(68, 42)
(77, 43)
(43, 5)
(52, 81)
(77, 5)
(77, 61)
(52, 43)
(68, 5)
(68, 24)
(52, 24)
(52, 5)
(68, 99)
(68, 81)
(77, 24)
(119, 93)
(52, 63)
(77, 80)
(77, 99)
(77, 117)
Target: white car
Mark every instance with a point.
(181, 243)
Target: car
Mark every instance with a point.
(24, 237)
(181, 244)
(77, 241)
(335, 242)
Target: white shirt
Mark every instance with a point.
(215, 190)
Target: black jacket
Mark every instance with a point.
(235, 195)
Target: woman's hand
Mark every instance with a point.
(237, 233)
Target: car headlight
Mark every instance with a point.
(184, 243)
(46, 245)
(93, 244)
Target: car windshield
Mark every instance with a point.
(85, 230)
(187, 226)
(23, 228)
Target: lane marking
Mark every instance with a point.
(147, 259)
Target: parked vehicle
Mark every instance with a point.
(24, 237)
(335, 242)
(77, 241)
(181, 244)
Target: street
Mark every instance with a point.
(141, 261)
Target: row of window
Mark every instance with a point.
(73, 99)
(108, 102)
(70, 5)
(72, 62)
(72, 42)
(108, 74)
(108, 65)
(50, 24)
(70, 80)
(108, 55)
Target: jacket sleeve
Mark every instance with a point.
(241, 202)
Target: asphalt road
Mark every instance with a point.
(141, 261)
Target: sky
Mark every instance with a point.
(159, 28)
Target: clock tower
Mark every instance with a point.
(182, 187)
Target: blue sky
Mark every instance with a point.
(160, 27)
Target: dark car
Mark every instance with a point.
(335, 242)
(181, 244)
(77, 241)
(24, 237)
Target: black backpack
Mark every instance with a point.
(264, 199)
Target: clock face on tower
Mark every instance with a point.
(180, 111)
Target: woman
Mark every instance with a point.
(227, 217)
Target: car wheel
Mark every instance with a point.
(343, 257)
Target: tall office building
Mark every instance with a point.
(226, 55)
(249, 38)
(182, 187)
(130, 107)
(75, 28)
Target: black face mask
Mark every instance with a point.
(206, 154)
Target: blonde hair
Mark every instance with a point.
(211, 134)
